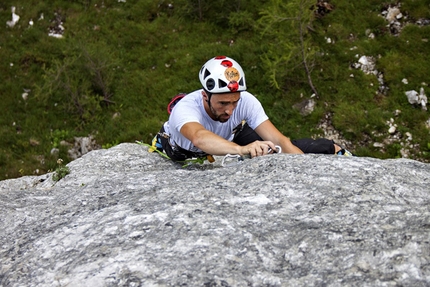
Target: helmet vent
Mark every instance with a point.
(221, 84)
(241, 82)
(210, 84)
(207, 74)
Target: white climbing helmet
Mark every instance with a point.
(222, 75)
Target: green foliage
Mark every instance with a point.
(222, 12)
(109, 145)
(58, 136)
(241, 21)
(80, 82)
(61, 171)
(290, 54)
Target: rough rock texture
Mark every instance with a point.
(124, 217)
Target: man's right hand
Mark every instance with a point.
(258, 148)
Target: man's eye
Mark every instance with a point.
(228, 103)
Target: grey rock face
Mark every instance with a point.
(125, 217)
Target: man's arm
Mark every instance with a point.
(213, 144)
(267, 131)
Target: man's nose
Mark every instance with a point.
(229, 109)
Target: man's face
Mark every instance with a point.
(222, 106)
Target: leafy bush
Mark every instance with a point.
(81, 82)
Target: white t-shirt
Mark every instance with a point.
(191, 109)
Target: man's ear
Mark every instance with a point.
(205, 97)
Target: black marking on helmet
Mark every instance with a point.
(207, 73)
(210, 84)
(221, 83)
(241, 82)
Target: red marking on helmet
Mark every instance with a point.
(233, 86)
(226, 63)
(220, 57)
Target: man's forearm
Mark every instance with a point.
(288, 147)
(214, 144)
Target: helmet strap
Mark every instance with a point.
(209, 95)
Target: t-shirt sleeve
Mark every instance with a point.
(254, 111)
(184, 112)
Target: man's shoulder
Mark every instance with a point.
(191, 100)
(249, 99)
(194, 94)
(247, 94)
(189, 107)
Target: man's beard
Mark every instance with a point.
(218, 117)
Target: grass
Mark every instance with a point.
(119, 64)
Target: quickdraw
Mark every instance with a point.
(235, 159)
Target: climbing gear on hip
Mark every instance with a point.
(161, 144)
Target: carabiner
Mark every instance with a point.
(231, 160)
(278, 149)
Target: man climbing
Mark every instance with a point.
(223, 118)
